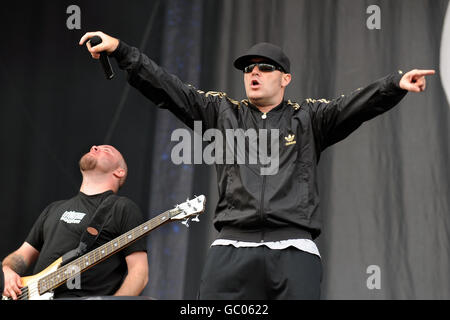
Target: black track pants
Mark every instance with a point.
(259, 273)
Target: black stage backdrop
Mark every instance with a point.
(384, 190)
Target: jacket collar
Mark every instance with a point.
(276, 109)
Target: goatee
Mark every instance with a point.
(87, 162)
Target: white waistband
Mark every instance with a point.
(301, 244)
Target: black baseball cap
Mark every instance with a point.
(264, 50)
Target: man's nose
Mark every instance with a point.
(94, 148)
(256, 70)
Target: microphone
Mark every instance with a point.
(104, 59)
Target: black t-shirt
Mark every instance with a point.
(59, 228)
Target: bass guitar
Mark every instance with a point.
(41, 285)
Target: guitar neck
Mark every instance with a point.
(60, 276)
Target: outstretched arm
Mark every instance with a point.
(164, 89)
(335, 120)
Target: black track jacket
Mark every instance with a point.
(270, 207)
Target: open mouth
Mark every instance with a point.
(254, 83)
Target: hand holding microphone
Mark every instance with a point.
(100, 45)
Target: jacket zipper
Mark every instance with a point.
(261, 206)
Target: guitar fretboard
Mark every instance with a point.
(74, 268)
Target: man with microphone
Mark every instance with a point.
(267, 223)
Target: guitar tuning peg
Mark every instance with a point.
(186, 222)
(196, 219)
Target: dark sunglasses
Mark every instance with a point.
(263, 67)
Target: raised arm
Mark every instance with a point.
(162, 88)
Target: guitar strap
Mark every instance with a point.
(92, 232)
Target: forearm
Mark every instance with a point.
(13, 266)
(371, 101)
(165, 89)
(334, 120)
(132, 285)
(15, 262)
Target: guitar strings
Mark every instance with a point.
(24, 293)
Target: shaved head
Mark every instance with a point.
(106, 159)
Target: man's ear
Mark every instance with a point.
(286, 79)
(119, 173)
